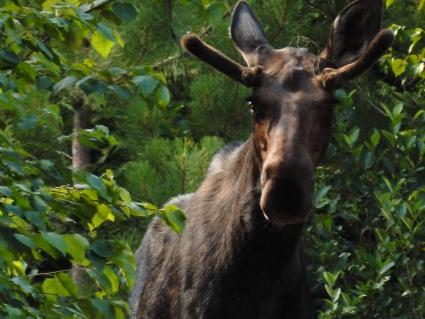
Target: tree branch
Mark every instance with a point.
(50, 273)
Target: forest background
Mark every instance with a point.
(101, 114)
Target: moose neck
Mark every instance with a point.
(247, 227)
(242, 244)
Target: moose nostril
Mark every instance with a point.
(278, 171)
(290, 194)
(287, 196)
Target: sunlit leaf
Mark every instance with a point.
(398, 66)
(101, 44)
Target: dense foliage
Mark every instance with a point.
(67, 236)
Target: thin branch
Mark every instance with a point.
(204, 32)
(145, 46)
(319, 8)
(360, 90)
(50, 273)
(169, 9)
(282, 20)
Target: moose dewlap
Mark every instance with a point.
(238, 256)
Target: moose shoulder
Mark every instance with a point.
(238, 256)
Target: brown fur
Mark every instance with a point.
(238, 256)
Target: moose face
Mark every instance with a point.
(292, 121)
(292, 97)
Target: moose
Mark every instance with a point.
(239, 255)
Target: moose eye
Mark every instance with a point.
(251, 105)
(256, 109)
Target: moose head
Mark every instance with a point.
(292, 97)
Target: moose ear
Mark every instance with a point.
(246, 32)
(352, 31)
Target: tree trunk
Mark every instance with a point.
(80, 153)
(81, 158)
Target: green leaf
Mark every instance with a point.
(52, 287)
(336, 295)
(9, 58)
(146, 84)
(23, 284)
(101, 44)
(97, 183)
(64, 83)
(103, 214)
(419, 68)
(127, 264)
(49, 4)
(104, 307)
(45, 50)
(47, 247)
(163, 96)
(390, 137)
(26, 241)
(120, 92)
(386, 266)
(173, 217)
(61, 285)
(113, 278)
(68, 283)
(398, 108)
(106, 31)
(389, 3)
(6, 191)
(91, 85)
(330, 278)
(398, 66)
(352, 137)
(27, 71)
(56, 240)
(13, 312)
(375, 138)
(76, 246)
(125, 11)
(319, 197)
(103, 248)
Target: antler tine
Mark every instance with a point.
(245, 75)
(382, 41)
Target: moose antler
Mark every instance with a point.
(382, 41)
(248, 76)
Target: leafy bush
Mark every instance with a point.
(57, 259)
(368, 232)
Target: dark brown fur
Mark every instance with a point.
(238, 256)
(229, 253)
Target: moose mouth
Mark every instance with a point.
(285, 201)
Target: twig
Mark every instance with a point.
(145, 46)
(54, 272)
(282, 20)
(367, 99)
(169, 9)
(171, 58)
(319, 8)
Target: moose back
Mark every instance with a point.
(238, 255)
